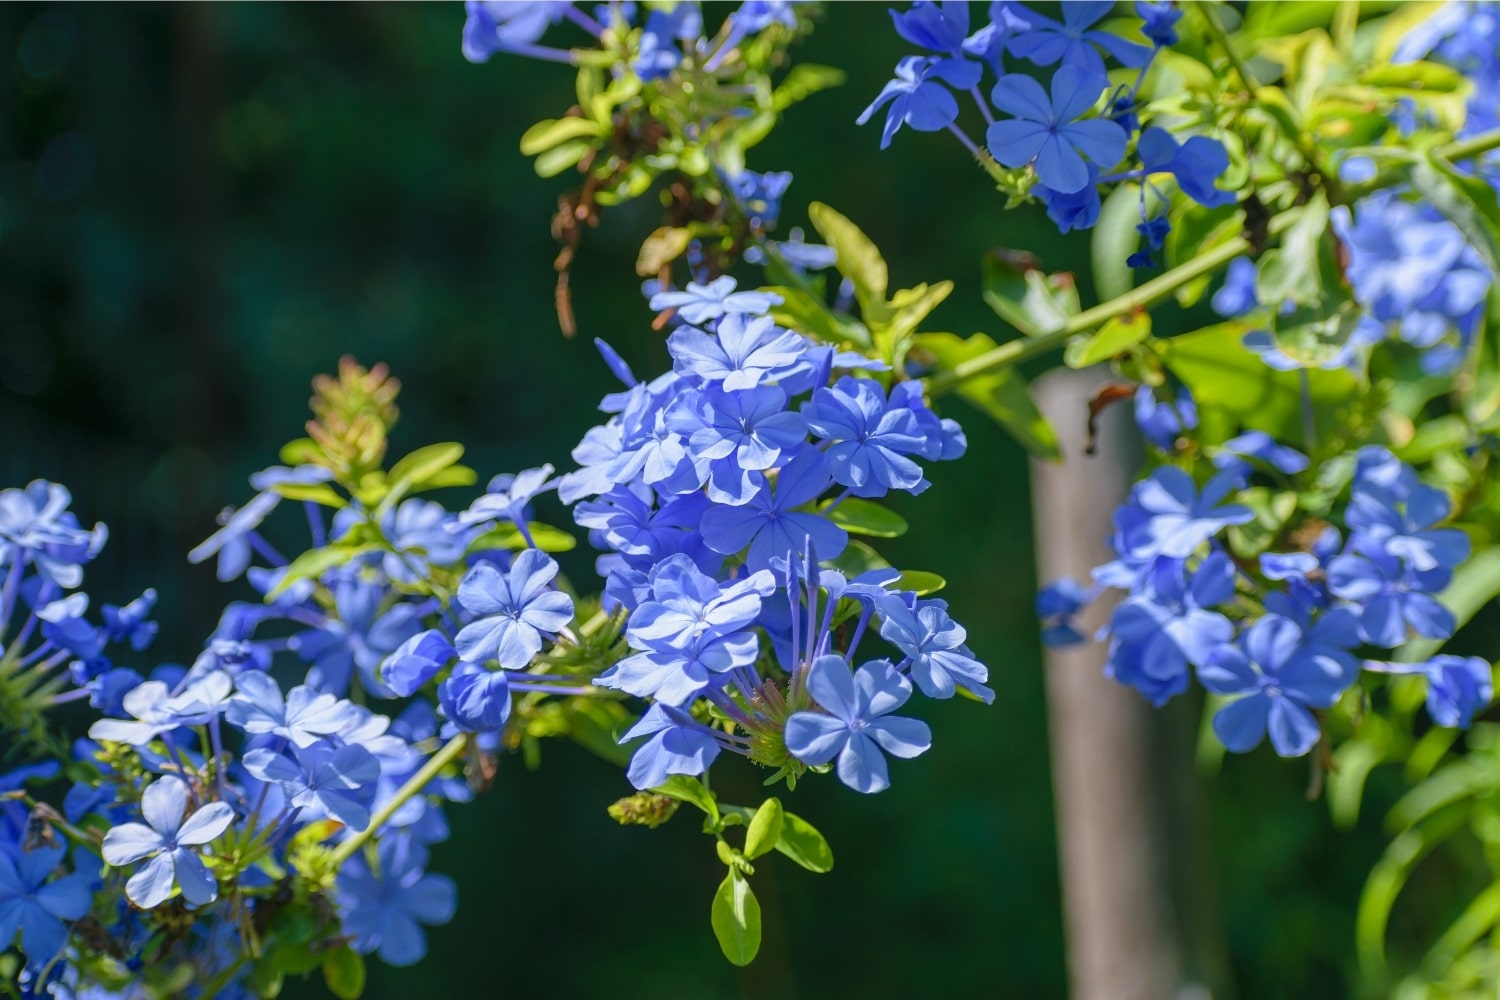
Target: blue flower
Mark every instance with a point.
(1260, 445)
(940, 27)
(745, 352)
(1163, 423)
(1073, 209)
(759, 197)
(933, 642)
(1073, 42)
(1056, 604)
(770, 524)
(1196, 164)
(678, 745)
(358, 635)
(1007, 18)
(1391, 597)
(1160, 22)
(1045, 130)
(689, 629)
(1166, 515)
(303, 717)
(857, 725)
(416, 661)
(322, 779)
(233, 543)
(475, 700)
(383, 908)
(1457, 686)
(738, 434)
(510, 26)
(168, 833)
(1157, 633)
(156, 711)
(1279, 679)
(36, 527)
(515, 608)
(702, 303)
(917, 96)
(129, 624)
(1237, 295)
(1400, 521)
(869, 442)
(36, 906)
(659, 54)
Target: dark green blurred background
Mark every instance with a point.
(203, 207)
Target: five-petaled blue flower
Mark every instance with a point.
(1047, 130)
(514, 609)
(1279, 678)
(855, 724)
(382, 909)
(37, 906)
(702, 303)
(771, 525)
(336, 781)
(166, 838)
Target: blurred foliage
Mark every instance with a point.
(203, 207)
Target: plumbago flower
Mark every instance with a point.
(858, 726)
(166, 838)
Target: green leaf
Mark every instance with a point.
(1004, 395)
(545, 135)
(319, 493)
(765, 829)
(1113, 338)
(804, 80)
(864, 517)
(1475, 583)
(736, 919)
(1385, 883)
(1115, 239)
(1468, 202)
(1289, 271)
(857, 259)
(507, 536)
(1221, 372)
(802, 842)
(802, 312)
(421, 465)
(314, 562)
(454, 475)
(1028, 299)
(920, 581)
(858, 558)
(302, 451)
(691, 791)
(344, 972)
(662, 247)
(559, 158)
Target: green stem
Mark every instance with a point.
(1221, 37)
(1144, 295)
(1151, 292)
(414, 784)
(1463, 149)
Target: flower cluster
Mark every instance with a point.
(1067, 138)
(1280, 635)
(724, 493)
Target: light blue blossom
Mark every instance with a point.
(855, 725)
(166, 838)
